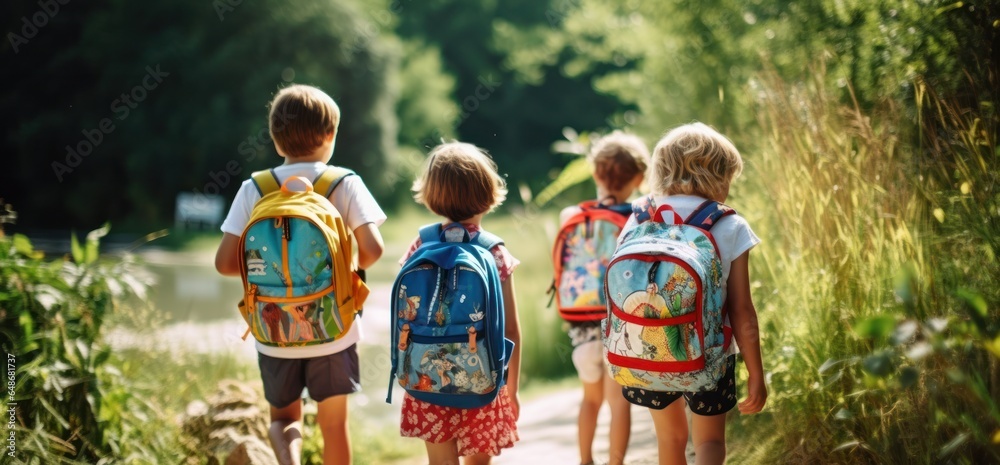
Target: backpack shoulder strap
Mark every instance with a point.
(644, 208)
(266, 181)
(430, 233)
(487, 240)
(709, 213)
(329, 179)
(623, 209)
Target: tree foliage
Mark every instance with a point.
(204, 127)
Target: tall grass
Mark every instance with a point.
(877, 278)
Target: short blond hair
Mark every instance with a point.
(695, 159)
(301, 118)
(459, 181)
(618, 158)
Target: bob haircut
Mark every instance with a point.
(459, 181)
(618, 158)
(695, 159)
(301, 118)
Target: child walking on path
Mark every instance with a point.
(461, 184)
(303, 123)
(619, 163)
(692, 164)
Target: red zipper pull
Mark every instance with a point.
(472, 340)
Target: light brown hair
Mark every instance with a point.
(695, 159)
(301, 118)
(459, 181)
(618, 158)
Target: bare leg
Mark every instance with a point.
(477, 459)
(286, 433)
(709, 437)
(332, 419)
(671, 433)
(586, 424)
(442, 453)
(621, 420)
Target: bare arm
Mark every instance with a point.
(747, 332)
(227, 258)
(370, 245)
(512, 331)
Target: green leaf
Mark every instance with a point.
(952, 445)
(847, 445)
(908, 376)
(973, 300)
(878, 364)
(844, 414)
(829, 363)
(574, 173)
(675, 343)
(75, 249)
(93, 242)
(976, 307)
(22, 245)
(876, 327)
(27, 325)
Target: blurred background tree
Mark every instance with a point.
(507, 77)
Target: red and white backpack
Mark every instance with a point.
(581, 255)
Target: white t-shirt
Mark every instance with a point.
(732, 234)
(355, 204)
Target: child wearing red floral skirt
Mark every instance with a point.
(460, 182)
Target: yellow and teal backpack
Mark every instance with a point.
(299, 281)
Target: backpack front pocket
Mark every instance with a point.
(294, 321)
(446, 368)
(655, 322)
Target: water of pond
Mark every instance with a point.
(194, 292)
(200, 307)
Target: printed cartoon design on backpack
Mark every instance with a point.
(300, 287)
(581, 254)
(665, 312)
(448, 346)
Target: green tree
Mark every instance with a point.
(203, 128)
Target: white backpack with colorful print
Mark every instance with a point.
(664, 328)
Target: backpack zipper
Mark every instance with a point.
(286, 236)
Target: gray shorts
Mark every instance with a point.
(327, 376)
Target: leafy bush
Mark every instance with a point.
(52, 315)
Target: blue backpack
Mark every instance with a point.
(448, 346)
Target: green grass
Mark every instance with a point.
(873, 238)
(162, 384)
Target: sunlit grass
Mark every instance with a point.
(853, 271)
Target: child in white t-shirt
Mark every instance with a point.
(692, 164)
(303, 123)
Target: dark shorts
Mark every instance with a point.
(706, 403)
(325, 377)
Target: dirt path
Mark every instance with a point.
(547, 426)
(548, 433)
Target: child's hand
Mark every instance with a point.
(756, 396)
(515, 402)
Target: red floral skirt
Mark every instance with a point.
(484, 430)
